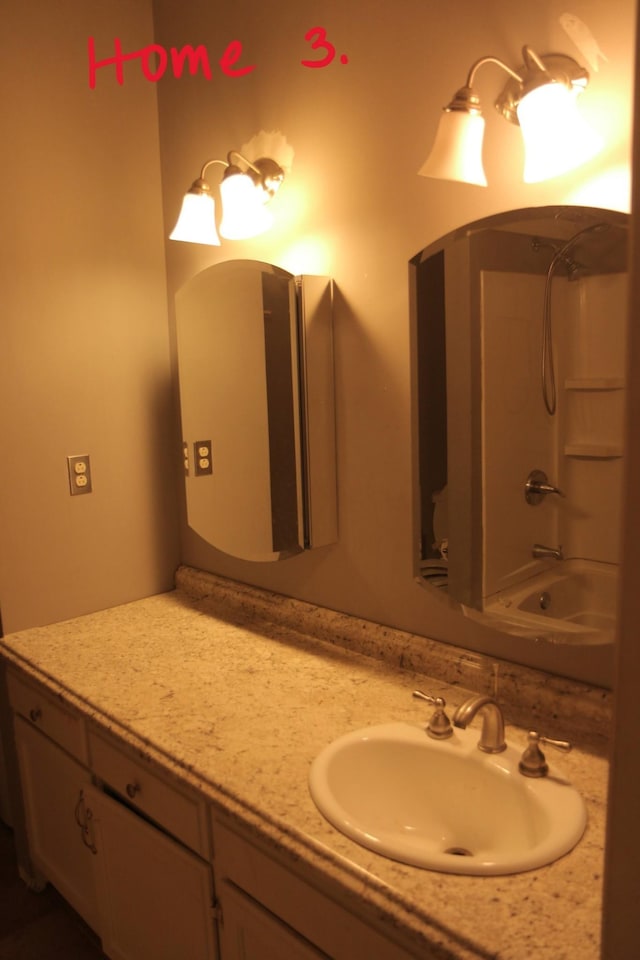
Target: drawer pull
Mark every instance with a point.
(34, 714)
(132, 789)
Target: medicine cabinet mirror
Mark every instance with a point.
(255, 362)
(518, 363)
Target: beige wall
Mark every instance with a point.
(83, 339)
(354, 208)
(84, 358)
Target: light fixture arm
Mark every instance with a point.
(234, 153)
(465, 98)
(529, 55)
(481, 62)
(208, 163)
(264, 171)
(200, 186)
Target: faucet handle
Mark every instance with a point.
(533, 762)
(439, 726)
(537, 487)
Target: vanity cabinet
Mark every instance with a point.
(269, 912)
(5, 812)
(155, 896)
(127, 847)
(52, 759)
(131, 847)
(52, 786)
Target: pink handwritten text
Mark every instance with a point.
(155, 60)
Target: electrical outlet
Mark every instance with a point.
(185, 457)
(79, 469)
(202, 458)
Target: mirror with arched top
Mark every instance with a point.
(255, 362)
(518, 347)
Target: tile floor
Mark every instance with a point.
(38, 926)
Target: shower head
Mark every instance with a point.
(539, 243)
(574, 268)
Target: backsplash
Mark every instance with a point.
(560, 707)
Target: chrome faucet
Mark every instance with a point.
(492, 735)
(540, 552)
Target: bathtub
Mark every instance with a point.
(572, 602)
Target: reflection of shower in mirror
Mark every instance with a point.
(575, 603)
(477, 299)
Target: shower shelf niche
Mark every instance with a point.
(593, 451)
(594, 417)
(594, 383)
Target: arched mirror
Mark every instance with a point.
(255, 361)
(518, 346)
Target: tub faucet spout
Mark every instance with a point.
(492, 736)
(540, 552)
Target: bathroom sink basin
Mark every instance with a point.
(444, 804)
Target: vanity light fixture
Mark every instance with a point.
(541, 97)
(244, 194)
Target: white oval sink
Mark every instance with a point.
(443, 804)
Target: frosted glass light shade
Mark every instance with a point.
(556, 138)
(457, 149)
(243, 211)
(196, 222)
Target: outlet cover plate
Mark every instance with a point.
(79, 469)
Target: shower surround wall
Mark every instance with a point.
(579, 448)
(592, 365)
(517, 434)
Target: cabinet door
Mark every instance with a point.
(5, 813)
(155, 896)
(52, 785)
(249, 932)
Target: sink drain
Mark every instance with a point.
(459, 852)
(544, 600)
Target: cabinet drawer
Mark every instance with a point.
(181, 814)
(51, 716)
(320, 920)
(252, 933)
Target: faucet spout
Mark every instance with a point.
(492, 735)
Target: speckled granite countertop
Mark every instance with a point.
(237, 690)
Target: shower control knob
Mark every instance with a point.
(537, 487)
